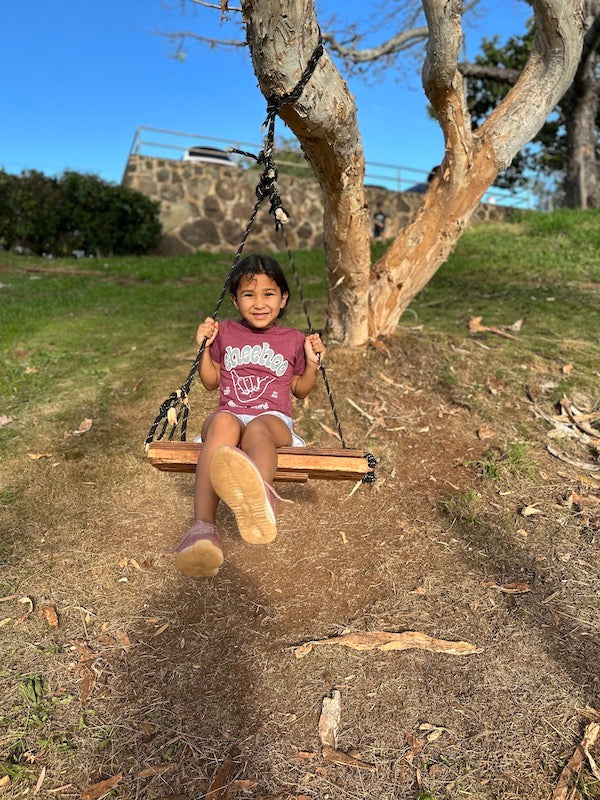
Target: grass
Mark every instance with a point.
(542, 268)
(512, 462)
(464, 507)
(110, 345)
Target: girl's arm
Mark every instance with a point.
(313, 348)
(208, 369)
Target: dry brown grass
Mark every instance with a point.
(189, 671)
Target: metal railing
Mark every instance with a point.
(163, 143)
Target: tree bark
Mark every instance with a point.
(282, 35)
(580, 108)
(472, 158)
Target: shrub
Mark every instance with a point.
(75, 213)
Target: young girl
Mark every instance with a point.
(256, 364)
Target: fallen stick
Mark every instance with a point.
(339, 757)
(576, 419)
(574, 462)
(383, 640)
(570, 774)
(475, 326)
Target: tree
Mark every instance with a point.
(568, 141)
(366, 301)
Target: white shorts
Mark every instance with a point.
(246, 418)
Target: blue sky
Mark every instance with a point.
(79, 77)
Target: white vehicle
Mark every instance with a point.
(209, 155)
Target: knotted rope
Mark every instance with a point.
(174, 411)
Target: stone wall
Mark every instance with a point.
(206, 207)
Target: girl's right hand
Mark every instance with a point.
(207, 330)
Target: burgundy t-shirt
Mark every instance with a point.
(257, 366)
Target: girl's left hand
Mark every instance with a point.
(313, 348)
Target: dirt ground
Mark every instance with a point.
(182, 689)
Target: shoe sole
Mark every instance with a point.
(239, 484)
(201, 559)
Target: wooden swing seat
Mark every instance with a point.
(293, 463)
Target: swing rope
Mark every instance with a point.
(174, 411)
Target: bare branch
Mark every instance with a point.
(484, 72)
(218, 6)
(180, 36)
(401, 41)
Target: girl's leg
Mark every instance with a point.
(219, 430)
(260, 441)
(241, 478)
(199, 554)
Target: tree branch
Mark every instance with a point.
(181, 35)
(401, 41)
(544, 80)
(395, 44)
(484, 72)
(222, 7)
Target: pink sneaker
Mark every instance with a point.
(237, 481)
(199, 554)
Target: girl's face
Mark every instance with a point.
(259, 300)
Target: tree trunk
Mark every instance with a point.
(473, 158)
(580, 108)
(282, 35)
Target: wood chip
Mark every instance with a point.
(385, 641)
(565, 788)
(101, 788)
(329, 720)
(529, 511)
(220, 787)
(50, 615)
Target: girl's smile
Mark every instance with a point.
(259, 300)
